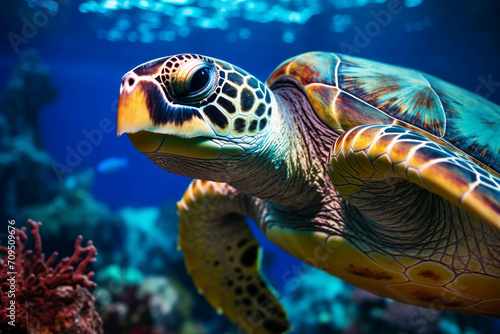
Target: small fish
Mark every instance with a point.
(111, 165)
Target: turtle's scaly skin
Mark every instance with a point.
(238, 247)
(355, 91)
(241, 105)
(370, 151)
(380, 175)
(347, 91)
(412, 113)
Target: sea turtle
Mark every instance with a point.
(383, 176)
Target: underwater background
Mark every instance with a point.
(61, 163)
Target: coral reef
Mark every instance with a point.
(316, 307)
(320, 303)
(23, 164)
(155, 305)
(27, 91)
(143, 284)
(158, 250)
(46, 298)
(119, 234)
(72, 207)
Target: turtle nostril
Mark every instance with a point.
(131, 81)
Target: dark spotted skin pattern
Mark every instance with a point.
(238, 105)
(390, 236)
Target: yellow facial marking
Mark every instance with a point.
(134, 115)
(132, 112)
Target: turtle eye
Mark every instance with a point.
(194, 81)
(199, 80)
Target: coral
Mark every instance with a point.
(155, 305)
(130, 313)
(151, 305)
(167, 299)
(119, 235)
(48, 298)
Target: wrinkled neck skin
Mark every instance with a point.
(288, 174)
(284, 179)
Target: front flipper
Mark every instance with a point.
(385, 152)
(223, 257)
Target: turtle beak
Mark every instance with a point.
(133, 114)
(153, 124)
(137, 87)
(143, 106)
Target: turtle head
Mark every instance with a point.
(194, 107)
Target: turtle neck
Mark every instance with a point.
(290, 168)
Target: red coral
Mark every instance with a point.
(47, 299)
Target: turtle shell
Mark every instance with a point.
(347, 91)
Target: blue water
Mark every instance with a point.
(458, 42)
(89, 47)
